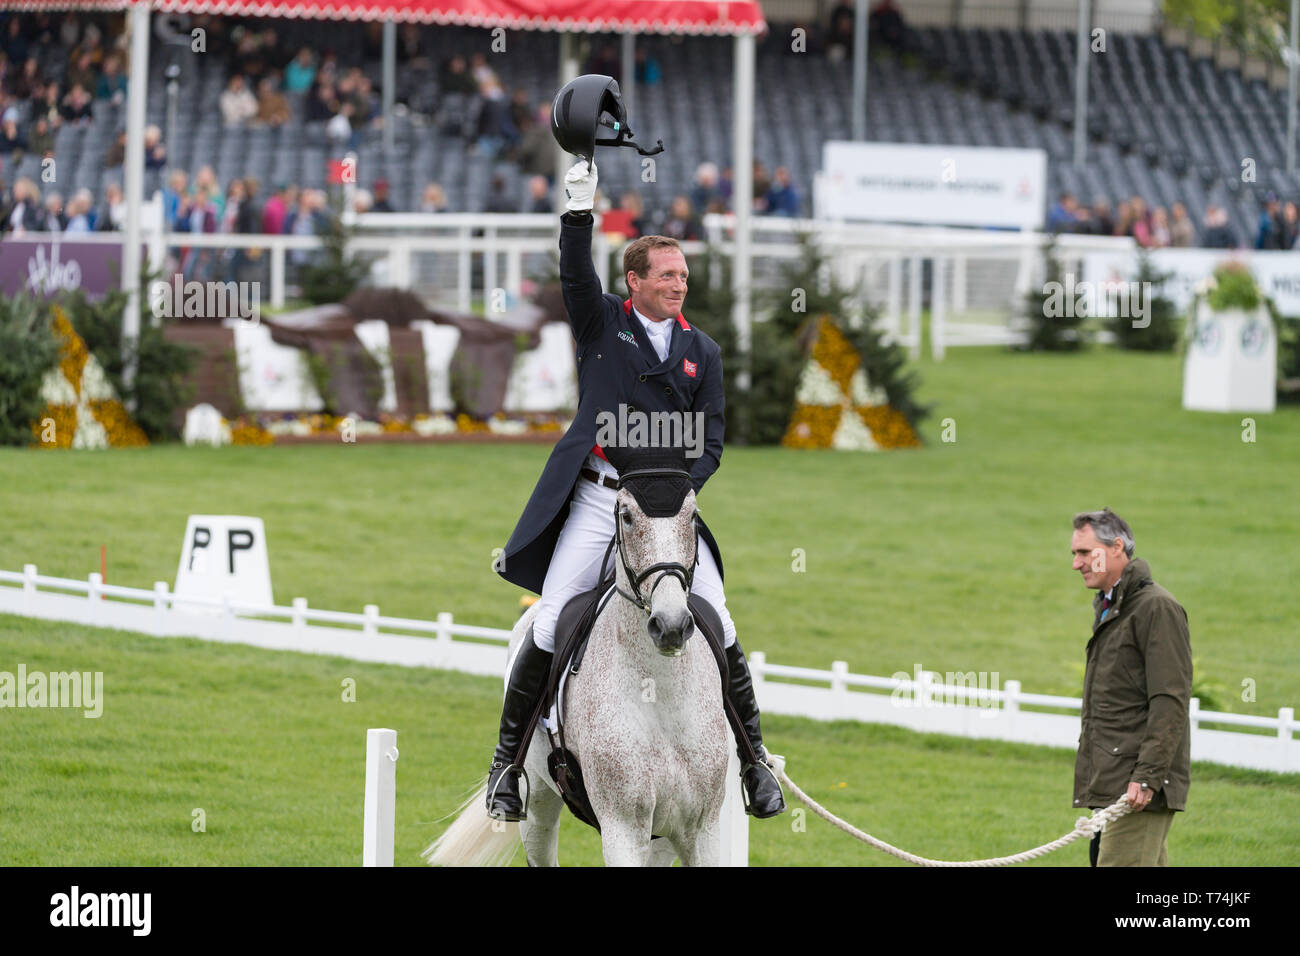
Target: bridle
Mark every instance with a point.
(665, 568)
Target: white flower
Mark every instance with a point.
(499, 426)
(90, 433)
(436, 425)
(816, 387)
(56, 389)
(94, 384)
(852, 434)
(861, 394)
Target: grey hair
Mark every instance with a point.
(1108, 527)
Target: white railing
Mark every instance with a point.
(921, 703)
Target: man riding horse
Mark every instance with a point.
(637, 355)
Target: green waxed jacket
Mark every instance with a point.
(1136, 691)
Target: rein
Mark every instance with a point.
(665, 568)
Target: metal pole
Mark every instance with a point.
(742, 184)
(390, 81)
(1292, 66)
(860, 71)
(628, 84)
(1081, 86)
(136, 90)
(568, 71)
(173, 94)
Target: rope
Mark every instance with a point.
(1083, 827)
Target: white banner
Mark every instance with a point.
(937, 185)
(1277, 272)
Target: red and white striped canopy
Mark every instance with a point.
(715, 17)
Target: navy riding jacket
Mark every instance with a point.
(616, 365)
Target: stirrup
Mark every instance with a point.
(744, 791)
(492, 794)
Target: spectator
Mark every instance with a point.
(626, 221)
(77, 105)
(1103, 223)
(496, 131)
(46, 103)
(1269, 234)
(112, 214)
(112, 84)
(782, 196)
(25, 82)
(606, 62)
(1290, 215)
(206, 180)
(539, 195)
(55, 221)
(485, 78)
(276, 210)
(1182, 232)
(762, 183)
(1141, 222)
(238, 105)
(1160, 236)
(272, 105)
(11, 139)
(705, 188)
(307, 220)
(434, 199)
(80, 212)
(885, 25)
(1218, 234)
(1062, 216)
(41, 142)
(498, 199)
(454, 77)
(322, 104)
(536, 152)
(155, 153)
(115, 155)
(682, 222)
(82, 73)
(839, 39)
(362, 202)
(382, 203)
(25, 215)
(15, 43)
(648, 72)
(339, 129)
(198, 215)
(234, 199)
(300, 74)
(173, 195)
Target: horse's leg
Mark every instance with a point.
(705, 850)
(662, 852)
(540, 833)
(625, 843)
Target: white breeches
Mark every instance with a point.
(575, 565)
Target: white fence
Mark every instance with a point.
(918, 704)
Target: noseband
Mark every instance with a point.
(665, 568)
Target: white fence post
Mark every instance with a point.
(370, 626)
(938, 291)
(1285, 723)
(299, 618)
(1011, 704)
(757, 665)
(94, 594)
(839, 688)
(444, 627)
(381, 797)
(160, 607)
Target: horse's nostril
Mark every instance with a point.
(656, 627)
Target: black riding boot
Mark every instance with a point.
(761, 785)
(527, 684)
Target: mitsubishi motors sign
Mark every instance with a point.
(932, 185)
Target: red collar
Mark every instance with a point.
(627, 310)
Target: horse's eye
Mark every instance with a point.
(627, 517)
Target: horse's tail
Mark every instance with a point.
(474, 838)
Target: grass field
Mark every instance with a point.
(954, 557)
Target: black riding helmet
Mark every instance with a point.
(582, 107)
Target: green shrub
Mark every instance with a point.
(1234, 288)
(1052, 327)
(28, 349)
(1162, 329)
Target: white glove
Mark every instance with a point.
(580, 186)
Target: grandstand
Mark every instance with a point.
(1163, 125)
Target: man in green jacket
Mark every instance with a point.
(1136, 739)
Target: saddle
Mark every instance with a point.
(572, 632)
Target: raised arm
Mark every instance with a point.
(578, 279)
